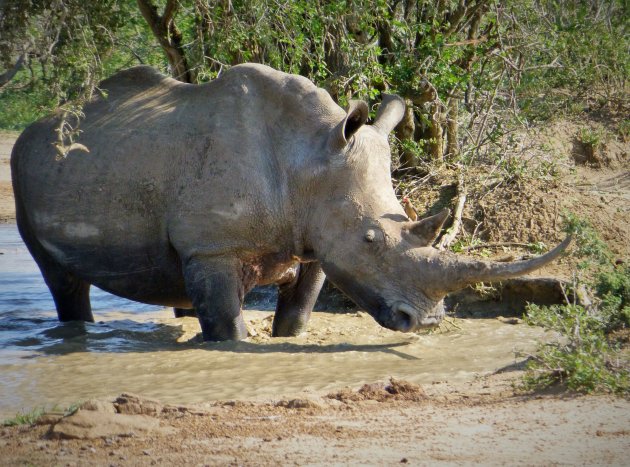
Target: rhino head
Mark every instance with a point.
(366, 244)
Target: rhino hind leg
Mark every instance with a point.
(72, 299)
(71, 294)
(296, 301)
(216, 289)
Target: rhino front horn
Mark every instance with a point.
(466, 271)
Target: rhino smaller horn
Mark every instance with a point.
(427, 229)
(389, 114)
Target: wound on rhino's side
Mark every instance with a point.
(190, 195)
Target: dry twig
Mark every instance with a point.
(448, 238)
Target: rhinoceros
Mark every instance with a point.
(189, 195)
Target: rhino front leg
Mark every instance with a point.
(296, 300)
(216, 291)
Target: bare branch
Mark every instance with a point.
(449, 237)
(11, 72)
(467, 42)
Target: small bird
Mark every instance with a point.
(409, 209)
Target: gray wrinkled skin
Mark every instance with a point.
(191, 195)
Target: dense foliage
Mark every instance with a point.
(456, 62)
(56, 51)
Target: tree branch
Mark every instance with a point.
(11, 72)
(169, 11)
(169, 37)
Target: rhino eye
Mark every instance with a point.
(370, 235)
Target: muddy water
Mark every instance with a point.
(145, 350)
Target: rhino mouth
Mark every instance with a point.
(407, 318)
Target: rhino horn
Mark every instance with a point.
(462, 272)
(389, 114)
(427, 229)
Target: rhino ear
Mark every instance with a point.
(355, 119)
(389, 114)
(428, 229)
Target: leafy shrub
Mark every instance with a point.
(613, 288)
(30, 418)
(21, 106)
(590, 137)
(583, 357)
(580, 49)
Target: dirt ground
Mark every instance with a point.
(483, 422)
(478, 423)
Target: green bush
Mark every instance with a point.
(584, 357)
(20, 106)
(613, 288)
(581, 56)
(30, 418)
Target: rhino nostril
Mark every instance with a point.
(404, 320)
(405, 316)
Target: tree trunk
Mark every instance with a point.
(452, 146)
(405, 132)
(337, 60)
(168, 35)
(385, 42)
(436, 141)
